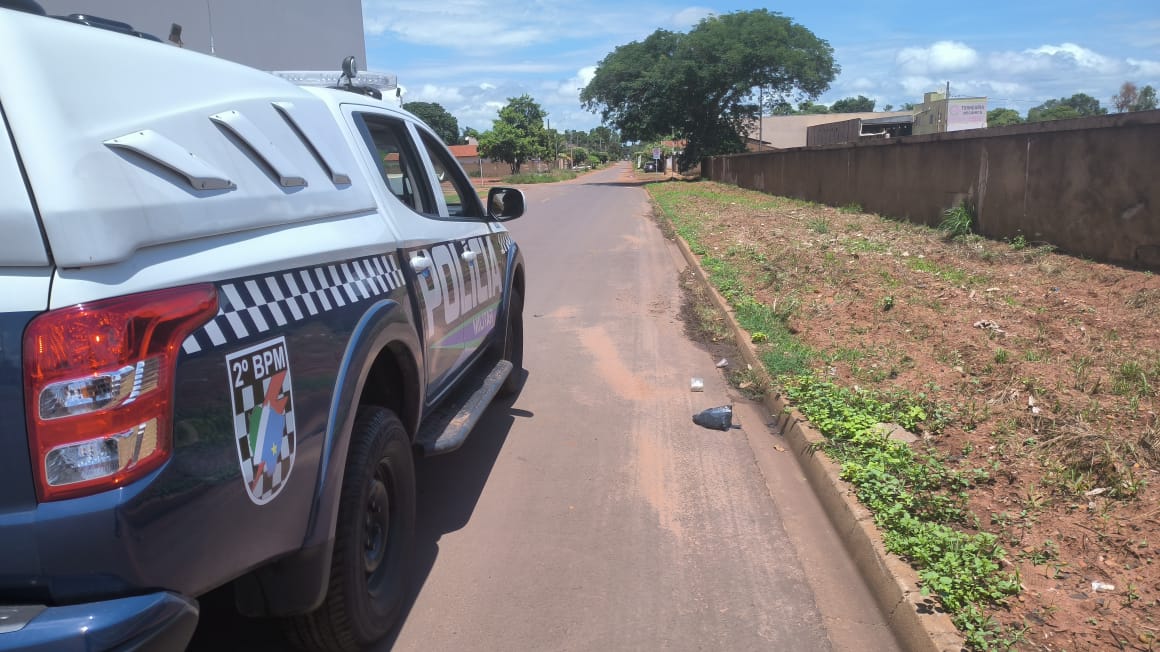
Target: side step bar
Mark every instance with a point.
(447, 428)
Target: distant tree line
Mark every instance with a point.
(1080, 105)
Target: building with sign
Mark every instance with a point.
(937, 114)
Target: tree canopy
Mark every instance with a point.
(441, 122)
(517, 135)
(702, 85)
(1132, 98)
(858, 104)
(1077, 106)
(1003, 117)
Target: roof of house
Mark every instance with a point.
(785, 131)
(464, 151)
(891, 120)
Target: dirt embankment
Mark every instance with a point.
(1048, 365)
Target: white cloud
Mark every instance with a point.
(1148, 69)
(915, 86)
(444, 95)
(1081, 56)
(690, 16)
(943, 56)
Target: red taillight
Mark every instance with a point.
(98, 381)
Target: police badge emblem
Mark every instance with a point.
(263, 406)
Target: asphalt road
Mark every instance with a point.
(590, 513)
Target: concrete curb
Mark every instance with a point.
(911, 616)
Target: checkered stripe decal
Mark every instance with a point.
(504, 239)
(268, 481)
(264, 303)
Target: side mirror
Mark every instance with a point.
(505, 203)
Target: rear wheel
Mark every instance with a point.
(513, 345)
(373, 538)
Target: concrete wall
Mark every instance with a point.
(263, 34)
(1087, 186)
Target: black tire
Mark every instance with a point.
(373, 540)
(513, 345)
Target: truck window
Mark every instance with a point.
(459, 194)
(397, 161)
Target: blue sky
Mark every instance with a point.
(471, 55)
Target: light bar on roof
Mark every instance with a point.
(379, 80)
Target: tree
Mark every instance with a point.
(1146, 100)
(469, 132)
(1126, 98)
(1077, 106)
(908, 106)
(1131, 98)
(1003, 117)
(700, 86)
(860, 104)
(807, 107)
(441, 122)
(888, 107)
(517, 135)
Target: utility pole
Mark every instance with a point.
(761, 118)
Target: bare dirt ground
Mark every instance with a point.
(1048, 365)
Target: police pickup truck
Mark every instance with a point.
(232, 309)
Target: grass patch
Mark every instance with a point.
(951, 275)
(863, 245)
(917, 501)
(535, 177)
(819, 225)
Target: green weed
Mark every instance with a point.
(957, 221)
(915, 498)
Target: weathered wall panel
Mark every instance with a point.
(1090, 186)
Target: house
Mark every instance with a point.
(477, 166)
(786, 131)
(937, 114)
(856, 129)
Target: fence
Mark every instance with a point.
(1088, 186)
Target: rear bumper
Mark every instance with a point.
(157, 621)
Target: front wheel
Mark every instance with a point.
(373, 538)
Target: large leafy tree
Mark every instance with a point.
(441, 122)
(701, 85)
(1003, 117)
(1077, 106)
(517, 135)
(860, 104)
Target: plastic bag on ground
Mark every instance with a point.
(717, 418)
